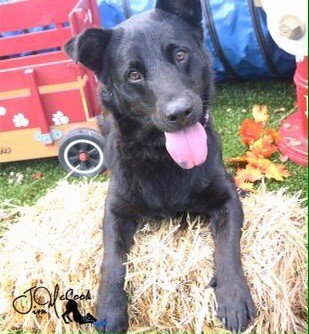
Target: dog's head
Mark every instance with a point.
(152, 66)
(154, 70)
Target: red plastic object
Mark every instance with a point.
(43, 93)
(294, 129)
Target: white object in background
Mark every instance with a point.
(2, 111)
(59, 118)
(20, 121)
(287, 23)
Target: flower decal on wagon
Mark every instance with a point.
(20, 121)
(59, 118)
(2, 111)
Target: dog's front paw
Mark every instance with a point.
(235, 305)
(112, 313)
(113, 320)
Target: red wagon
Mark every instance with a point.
(48, 104)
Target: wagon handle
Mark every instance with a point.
(84, 15)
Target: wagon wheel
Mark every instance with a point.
(81, 152)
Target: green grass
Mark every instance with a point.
(233, 102)
(29, 189)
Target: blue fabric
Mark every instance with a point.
(111, 12)
(237, 39)
(235, 31)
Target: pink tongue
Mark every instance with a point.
(188, 147)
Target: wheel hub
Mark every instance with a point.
(83, 156)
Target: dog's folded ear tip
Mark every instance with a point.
(88, 47)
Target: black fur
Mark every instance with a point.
(143, 85)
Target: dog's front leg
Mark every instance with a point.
(118, 234)
(235, 305)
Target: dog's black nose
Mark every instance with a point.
(179, 111)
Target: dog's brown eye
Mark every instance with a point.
(135, 75)
(181, 55)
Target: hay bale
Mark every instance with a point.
(58, 241)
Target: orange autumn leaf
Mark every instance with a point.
(250, 131)
(283, 171)
(260, 113)
(259, 162)
(243, 158)
(264, 146)
(277, 172)
(262, 143)
(274, 135)
(244, 185)
(250, 173)
(241, 182)
(244, 178)
(37, 175)
(268, 168)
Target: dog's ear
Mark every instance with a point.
(88, 47)
(190, 10)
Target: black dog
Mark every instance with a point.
(161, 147)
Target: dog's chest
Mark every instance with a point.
(163, 192)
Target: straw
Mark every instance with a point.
(59, 241)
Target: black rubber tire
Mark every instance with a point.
(81, 152)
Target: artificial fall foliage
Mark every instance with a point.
(262, 143)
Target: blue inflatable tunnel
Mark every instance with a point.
(236, 35)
